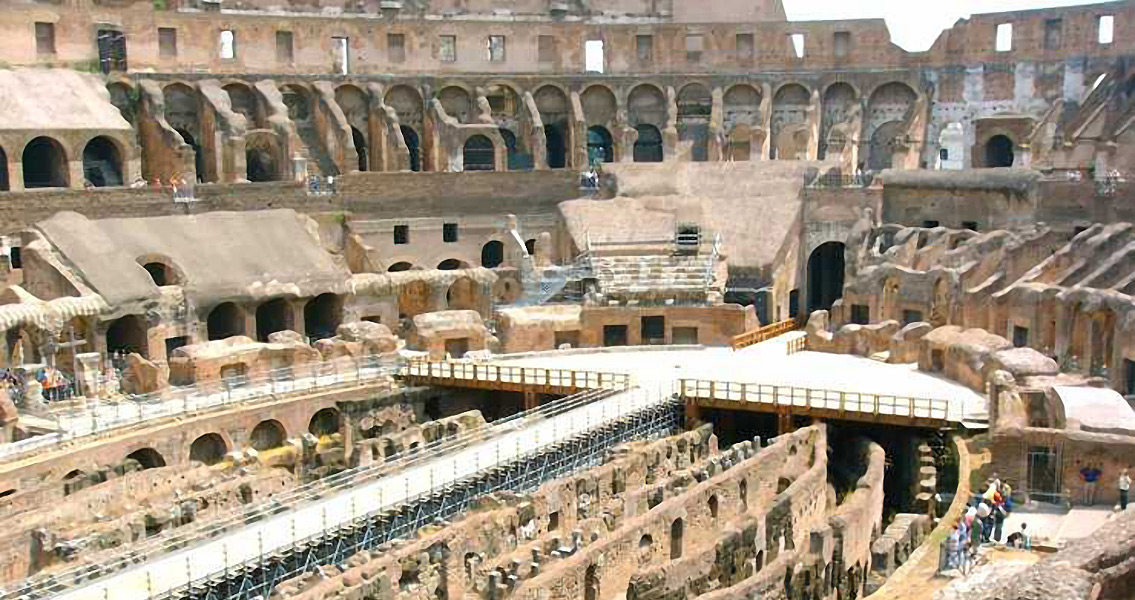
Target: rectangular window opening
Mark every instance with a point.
(112, 50)
(396, 47)
(841, 43)
(547, 51)
(594, 60)
(860, 314)
(401, 234)
(1004, 37)
(746, 47)
(45, 38)
(228, 44)
(284, 50)
(449, 233)
(167, 42)
(496, 48)
(447, 51)
(644, 48)
(797, 41)
(341, 46)
(1053, 34)
(1106, 29)
(695, 46)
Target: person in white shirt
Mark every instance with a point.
(1124, 488)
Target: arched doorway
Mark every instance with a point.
(161, 274)
(102, 163)
(45, 164)
(463, 294)
(208, 449)
(148, 458)
(267, 435)
(411, 138)
(999, 152)
(557, 149)
(492, 254)
(259, 165)
(648, 146)
(272, 316)
(198, 156)
(449, 264)
(361, 148)
(695, 105)
(600, 148)
(882, 150)
(478, 154)
(225, 321)
(325, 422)
(321, 316)
(512, 155)
(127, 335)
(825, 276)
(398, 267)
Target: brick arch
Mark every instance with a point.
(824, 88)
(605, 92)
(642, 90)
(451, 96)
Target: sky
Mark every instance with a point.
(914, 24)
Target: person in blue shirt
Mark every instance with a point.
(1091, 475)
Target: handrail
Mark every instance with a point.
(523, 376)
(767, 332)
(862, 403)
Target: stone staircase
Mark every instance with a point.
(653, 278)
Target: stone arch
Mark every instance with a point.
(322, 316)
(267, 434)
(554, 108)
(600, 145)
(45, 164)
(479, 154)
(360, 142)
(147, 458)
(243, 102)
(457, 102)
(741, 107)
(838, 104)
(208, 449)
(504, 103)
(890, 102)
(695, 106)
(122, 97)
(398, 267)
(492, 254)
(450, 264)
(102, 162)
(998, 151)
(413, 299)
(463, 294)
(355, 104)
(128, 335)
(648, 145)
(599, 104)
(512, 151)
(181, 107)
(326, 421)
(790, 136)
(407, 104)
(413, 146)
(555, 146)
(225, 321)
(198, 155)
(272, 316)
(647, 104)
(881, 153)
(297, 99)
(262, 157)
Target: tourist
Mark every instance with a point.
(954, 549)
(974, 538)
(1124, 488)
(1090, 475)
(984, 521)
(1007, 496)
(999, 516)
(1020, 539)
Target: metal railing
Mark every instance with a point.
(797, 345)
(262, 533)
(536, 377)
(98, 416)
(854, 403)
(767, 332)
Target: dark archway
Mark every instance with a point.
(676, 533)
(512, 155)
(449, 264)
(161, 274)
(272, 316)
(556, 147)
(325, 422)
(102, 163)
(45, 164)
(398, 267)
(148, 458)
(208, 449)
(648, 146)
(530, 246)
(267, 435)
(322, 315)
(825, 276)
(492, 254)
(127, 335)
(4, 185)
(478, 154)
(600, 147)
(411, 138)
(225, 321)
(198, 156)
(259, 165)
(999, 152)
(361, 148)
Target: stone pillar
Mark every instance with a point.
(75, 170)
(298, 324)
(87, 371)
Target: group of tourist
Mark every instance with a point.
(983, 523)
(178, 186)
(1090, 476)
(321, 186)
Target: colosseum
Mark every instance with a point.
(564, 300)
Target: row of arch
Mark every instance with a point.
(46, 163)
(492, 256)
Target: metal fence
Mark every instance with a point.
(174, 564)
(519, 376)
(98, 415)
(762, 334)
